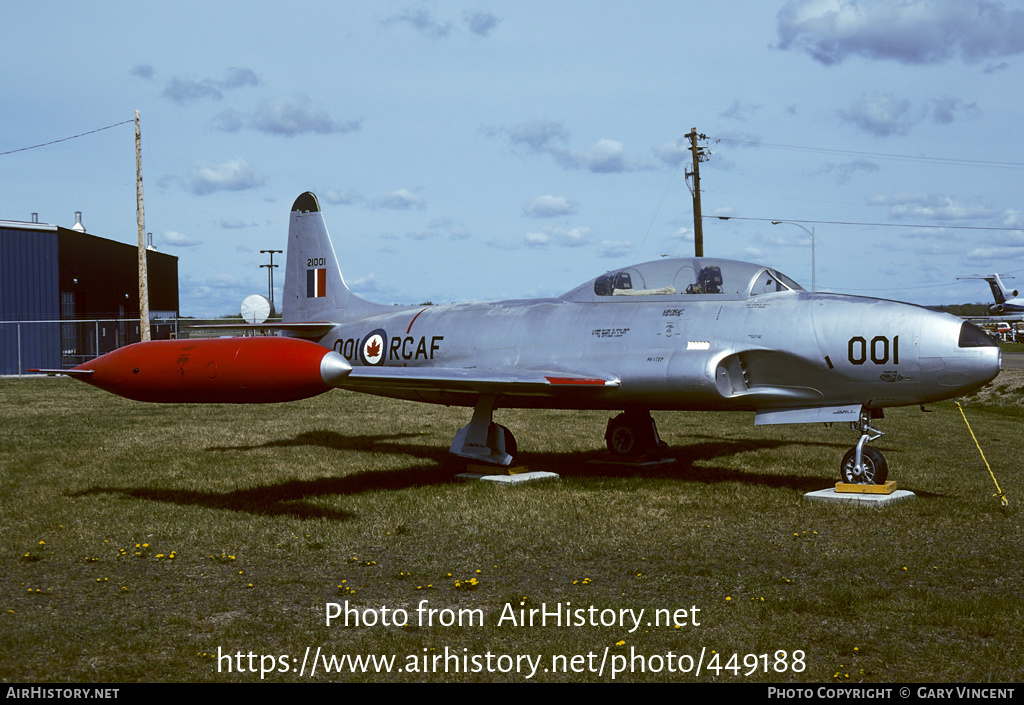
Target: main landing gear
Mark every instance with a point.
(482, 439)
(632, 433)
(862, 464)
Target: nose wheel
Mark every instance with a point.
(862, 464)
(872, 469)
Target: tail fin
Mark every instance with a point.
(999, 289)
(314, 289)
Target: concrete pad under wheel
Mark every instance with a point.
(873, 500)
(516, 479)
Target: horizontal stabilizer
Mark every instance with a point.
(313, 330)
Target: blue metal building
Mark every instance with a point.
(52, 278)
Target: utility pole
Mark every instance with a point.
(141, 216)
(698, 157)
(270, 274)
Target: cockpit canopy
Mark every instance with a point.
(681, 278)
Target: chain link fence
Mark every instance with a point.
(62, 344)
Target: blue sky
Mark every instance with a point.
(472, 151)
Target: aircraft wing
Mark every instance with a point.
(54, 371)
(399, 381)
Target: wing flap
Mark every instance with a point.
(813, 414)
(533, 383)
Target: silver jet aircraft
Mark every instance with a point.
(674, 334)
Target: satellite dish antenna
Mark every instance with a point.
(256, 309)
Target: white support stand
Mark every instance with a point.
(481, 439)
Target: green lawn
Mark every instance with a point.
(138, 542)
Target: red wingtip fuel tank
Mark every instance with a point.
(215, 370)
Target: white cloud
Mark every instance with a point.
(480, 23)
(186, 90)
(945, 110)
(422, 20)
(615, 249)
(549, 207)
(935, 207)
(234, 224)
(881, 114)
(908, 32)
(176, 239)
(675, 152)
(549, 137)
(538, 239)
(562, 237)
(449, 228)
(341, 198)
(844, 171)
(144, 71)
(234, 175)
(400, 200)
(1013, 219)
(229, 120)
(740, 111)
(295, 114)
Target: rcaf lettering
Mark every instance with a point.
(400, 348)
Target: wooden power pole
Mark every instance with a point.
(698, 157)
(141, 216)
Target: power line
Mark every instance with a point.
(886, 225)
(65, 139)
(879, 225)
(877, 155)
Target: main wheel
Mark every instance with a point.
(630, 434)
(874, 470)
(511, 447)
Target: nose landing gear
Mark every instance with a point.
(862, 464)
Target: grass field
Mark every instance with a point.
(139, 541)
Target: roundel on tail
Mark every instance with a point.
(374, 348)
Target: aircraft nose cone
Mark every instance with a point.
(974, 363)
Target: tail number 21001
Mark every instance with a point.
(878, 350)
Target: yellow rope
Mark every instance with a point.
(999, 493)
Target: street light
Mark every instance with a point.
(809, 232)
(270, 274)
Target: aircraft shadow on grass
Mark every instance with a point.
(292, 497)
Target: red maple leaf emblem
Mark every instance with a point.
(373, 349)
